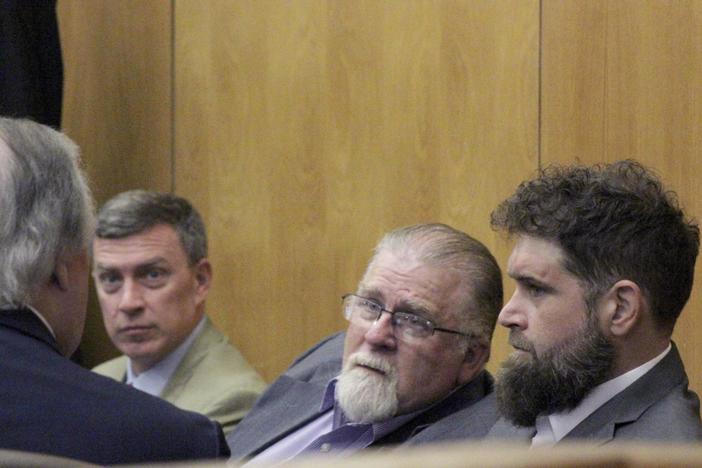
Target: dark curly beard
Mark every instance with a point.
(558, 380)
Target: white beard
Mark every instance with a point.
(364, 395)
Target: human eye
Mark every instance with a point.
(369, 310)
(154, 276)
(109, 281)
(413, 325)
(535, 290)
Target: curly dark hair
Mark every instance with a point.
(613, 221)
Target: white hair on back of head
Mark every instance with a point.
(47, 208)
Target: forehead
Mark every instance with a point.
(536, 258)
(401, 280)
(159, 241)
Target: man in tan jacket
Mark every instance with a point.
(152, 278)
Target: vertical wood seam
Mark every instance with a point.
(605, 126)
(173, 99)
(539, 97)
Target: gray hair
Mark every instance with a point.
(443, 246)
(136, 211)
(46, 206)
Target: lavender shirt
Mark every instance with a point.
(330, 432)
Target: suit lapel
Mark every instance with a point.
(285, 407)
(459, 399)
(304, 400)
(193, 356)
(627, 406)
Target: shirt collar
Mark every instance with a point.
(154, 379)
(564, 422)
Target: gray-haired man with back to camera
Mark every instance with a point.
(420, 324)
(50, 404)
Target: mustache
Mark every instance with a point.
(369, 360)
(517, 341)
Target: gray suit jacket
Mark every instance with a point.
(294, 400)
(213, 379)
(657, 407)
(473, 422)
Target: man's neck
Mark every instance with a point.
(154, 378)
(43, 320)
(634, 353)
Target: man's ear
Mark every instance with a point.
(474, 360)
(203, 276)
(621, 308)
(59, 277)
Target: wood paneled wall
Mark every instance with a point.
(304, 130)
(623, 79)
(118, 107)
(307, 129)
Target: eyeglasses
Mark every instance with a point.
(364, 311)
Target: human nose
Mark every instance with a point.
(512, 315)
(381, 333)
(131, 300)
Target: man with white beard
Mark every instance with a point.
(420, 324)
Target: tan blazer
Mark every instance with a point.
(213, 379)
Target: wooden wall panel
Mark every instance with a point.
(624, 79)
(304, 130)
(572, 80)
(117, 105)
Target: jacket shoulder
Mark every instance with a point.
(325, 355)
(674, 418)
(123, 424)
(215, 380)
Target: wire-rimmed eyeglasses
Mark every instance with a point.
(365, 311)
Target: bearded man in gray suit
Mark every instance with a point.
(603, 264)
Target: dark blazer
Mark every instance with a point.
(657, 407)
(294, 399)
(51, 405)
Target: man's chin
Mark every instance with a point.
(555, 380)
(143, 353)
(367, 395)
